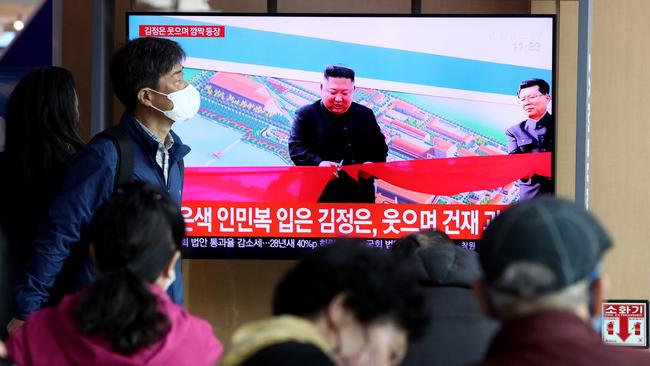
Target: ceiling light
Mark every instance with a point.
(19, 25)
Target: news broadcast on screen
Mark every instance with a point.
(452, 119)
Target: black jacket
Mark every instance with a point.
(458, 333)
(353, 137)
(520, 141)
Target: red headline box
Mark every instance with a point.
(326, 220)
(628, 310)
(206, 31)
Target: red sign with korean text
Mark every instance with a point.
(625, 323)
(210, 219)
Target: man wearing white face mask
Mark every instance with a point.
(147, 77)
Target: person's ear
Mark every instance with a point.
(336, 311)
(335, 315)
(145, 97)
(171, 265)
(482, 298)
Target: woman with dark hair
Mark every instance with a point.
(41, 120)
(125, 317)
(345, 304)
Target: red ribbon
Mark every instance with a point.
(304, 184)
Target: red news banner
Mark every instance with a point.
(281, 201)
(213, 31)
(322, 220)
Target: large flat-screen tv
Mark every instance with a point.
(462, 142)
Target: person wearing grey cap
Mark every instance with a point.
(541, 265)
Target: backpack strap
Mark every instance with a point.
(124, 146)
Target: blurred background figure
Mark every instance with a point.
(458, 333)
(125, 317)
(41, 136)
(344, 304)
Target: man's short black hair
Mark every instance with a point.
(544, 88)
(377, 287)
(139, 64)
(337, 71)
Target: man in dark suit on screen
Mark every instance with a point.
(535, 134)
(335, 131)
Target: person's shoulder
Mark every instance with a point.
(183, 324)
(308, 112)
(362, 113)
(99, 149)
(178, 314)
(202, 333)
(360, 108)
(516, 128)
(44, 320)
(289, 354)
(199, 326)
(309, 107)
(548, 119)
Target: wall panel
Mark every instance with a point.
(620, 146)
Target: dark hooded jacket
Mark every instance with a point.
(458, 333)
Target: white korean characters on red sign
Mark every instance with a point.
(625, 323)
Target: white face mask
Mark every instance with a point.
(186, 103)
(171, 279)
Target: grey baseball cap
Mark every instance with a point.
(554, 235)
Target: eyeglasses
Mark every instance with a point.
(529, 98)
